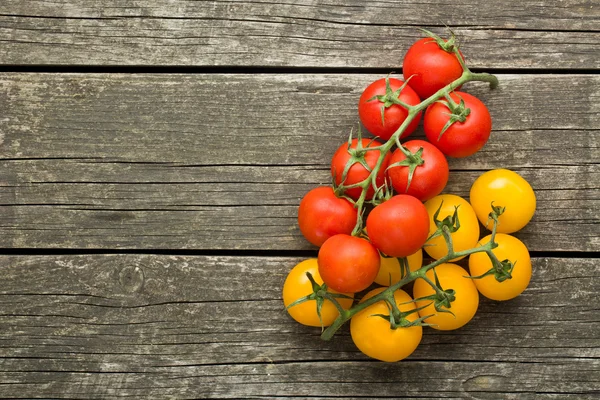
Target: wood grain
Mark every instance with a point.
(348, 34)
(111, 326)
(213, 162)
(185, 162)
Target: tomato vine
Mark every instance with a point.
(387, 293)
(394, 140)
(362, 173)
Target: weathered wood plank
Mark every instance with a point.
(243, 119)
(185, 162)
(355, 34)
(214, 327)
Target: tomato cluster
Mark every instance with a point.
(386, 207)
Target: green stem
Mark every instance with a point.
(420, 273)
(493, 258)
(334, 301)
(485, 77)
(438, 291)
(413, 111)
(448, 239)
(395, 311)
(451, 102)
(493, 235)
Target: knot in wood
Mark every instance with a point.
(131, 279)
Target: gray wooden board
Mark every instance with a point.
(354, 34)
(108, 326)
(221, 161)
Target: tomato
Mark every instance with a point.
(374, 336)
(297, 285)
(358, 173)
(399, 226)
(369, 108)
(347, 263)
(509, 248)
(428, 179)
(430, 67)
(322, 214)
(390, 272)
(506, 189)
(464, 306)
(464, 238)
(461, 139)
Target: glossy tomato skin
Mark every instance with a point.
(375, 338)
(509, 248)
(464, 238)
(429, 178)
(399, 226)
(430, 67)
(461, 139)
(390, 271)
(464, 307)
(369, 111)
(347, 263)
(322, 214)
(297, 285)
(357, 173)
(507, 189)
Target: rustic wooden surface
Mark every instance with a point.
(125, 161)
(195, 326)
(348, 34)
(184, 133)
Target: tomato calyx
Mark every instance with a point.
(412, 161)
(442, 299)
(448, 225)
(397, 318)
(357, 156)
(390, 98)
(494, 214)
(458, 113)
(382, 194)
(502, 270)
(449, 45)
(338, 191)
(319, 295)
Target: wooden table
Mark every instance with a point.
(152, 158)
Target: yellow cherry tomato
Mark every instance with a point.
(464, 238)
(297, 285)
(389, 268)
(506, 189)
(374, 336)
(464, 306)
(509, 248)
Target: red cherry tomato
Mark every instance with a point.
(430, 67)
(461, 139)
(399, 227)
(347, 263)
(428, 179)
(369, 108)
(322, 214)
(357, 173)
